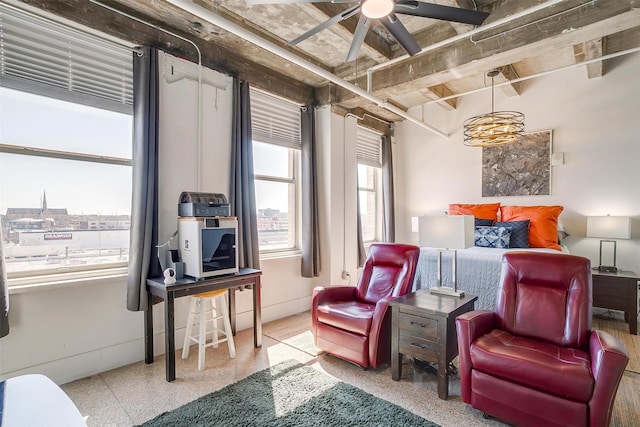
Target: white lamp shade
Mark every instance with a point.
(609, 227)
(446, 232)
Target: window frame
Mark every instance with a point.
(99, 76)
(290, 140)
(294, 170)
(376, 189)
(370, 156)
(65, 272)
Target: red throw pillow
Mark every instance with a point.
(543, 226)
(483, 211)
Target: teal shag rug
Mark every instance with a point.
(289, 394)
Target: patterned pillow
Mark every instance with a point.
(492, 237)
(519, 232)
(482, 222)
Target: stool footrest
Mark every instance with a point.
(200, 310)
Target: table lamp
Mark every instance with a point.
(609, 228)
(447, 234)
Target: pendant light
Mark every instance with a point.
(495, 128)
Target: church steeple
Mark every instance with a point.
(44, 201)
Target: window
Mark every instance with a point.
(369, 184)
(276, 160)
(65, 147)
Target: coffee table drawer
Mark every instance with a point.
(419, 348)
(418, 326)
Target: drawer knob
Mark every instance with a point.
(422, 325)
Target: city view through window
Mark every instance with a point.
(60, 207)
(275, 168)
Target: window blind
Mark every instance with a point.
(41, 56)
(369, 147)
(274, 120)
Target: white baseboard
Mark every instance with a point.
(93, 362)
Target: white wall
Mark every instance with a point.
(84, 328)
(595, 124)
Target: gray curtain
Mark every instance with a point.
(143, 258)
(4, 292)
(243, 193)
(310, 217)
(388, 214)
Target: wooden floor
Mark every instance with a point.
(626, 411)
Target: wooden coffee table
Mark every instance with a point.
(423, 326)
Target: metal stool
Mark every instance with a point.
(208, 313)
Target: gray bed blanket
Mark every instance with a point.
(478, 271)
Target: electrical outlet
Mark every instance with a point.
(345, 275)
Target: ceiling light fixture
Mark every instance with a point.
(376, 9)
(495, 128)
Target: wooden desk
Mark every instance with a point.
(423, 326)
(246, 278)
(617, 291)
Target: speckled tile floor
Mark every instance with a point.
(136, 393)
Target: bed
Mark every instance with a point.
(498, 229)
(478, 271)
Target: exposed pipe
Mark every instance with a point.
(214, 19)
(540, 74)
(544, 18)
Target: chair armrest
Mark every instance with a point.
(609, 357)
(380, 333)
(322, 295)
(469, 327)
(475, 324)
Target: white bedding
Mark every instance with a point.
(478, 271)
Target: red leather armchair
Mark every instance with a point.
(535, 361)
(353, 323)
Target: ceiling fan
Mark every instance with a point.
(385, 12)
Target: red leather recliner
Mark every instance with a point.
(353, 323)
(535, 361)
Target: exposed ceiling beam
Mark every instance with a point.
(589, 50)
(440, 91)
(464, 57)
(506, 74)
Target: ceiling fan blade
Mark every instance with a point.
(400, 33)
(358, 37)
(437, 11)
(326, 24)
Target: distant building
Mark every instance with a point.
(43, 219)
(41, 213)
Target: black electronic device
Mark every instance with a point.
(203, 205)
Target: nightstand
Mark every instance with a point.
(423, 326)
(617, 291)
